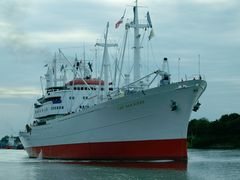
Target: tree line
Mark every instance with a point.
(221, 133)
(10, 142)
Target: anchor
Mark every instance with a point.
(173, 105)
(196, 106)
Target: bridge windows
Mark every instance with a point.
(88, 88)
(57, 107)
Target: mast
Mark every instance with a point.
(105, 61)
(137, 54)
(115, 72)
(41, 78)
(49, 77)
(75, 69)
(84, 61)
(137, 57)
(55, 70)
(123, 52)
(64, 79)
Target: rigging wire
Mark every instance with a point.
(154, 58)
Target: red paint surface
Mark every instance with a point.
(130, 150)
(88, 81)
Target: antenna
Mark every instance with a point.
(199, 59)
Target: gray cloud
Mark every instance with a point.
(14, 39)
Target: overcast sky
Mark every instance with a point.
(31, 31)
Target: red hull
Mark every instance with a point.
(130, 150)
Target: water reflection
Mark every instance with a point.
(176, 165)
(38, 169)
(202, 164)
(110, 170)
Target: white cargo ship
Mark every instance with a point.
(97, 119)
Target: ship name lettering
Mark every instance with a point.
(129, 105)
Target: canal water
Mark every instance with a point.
(202, 164)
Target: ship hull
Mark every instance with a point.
(139, 126)
(129, 150)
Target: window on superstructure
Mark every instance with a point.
(85, 97)
(71, 97)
